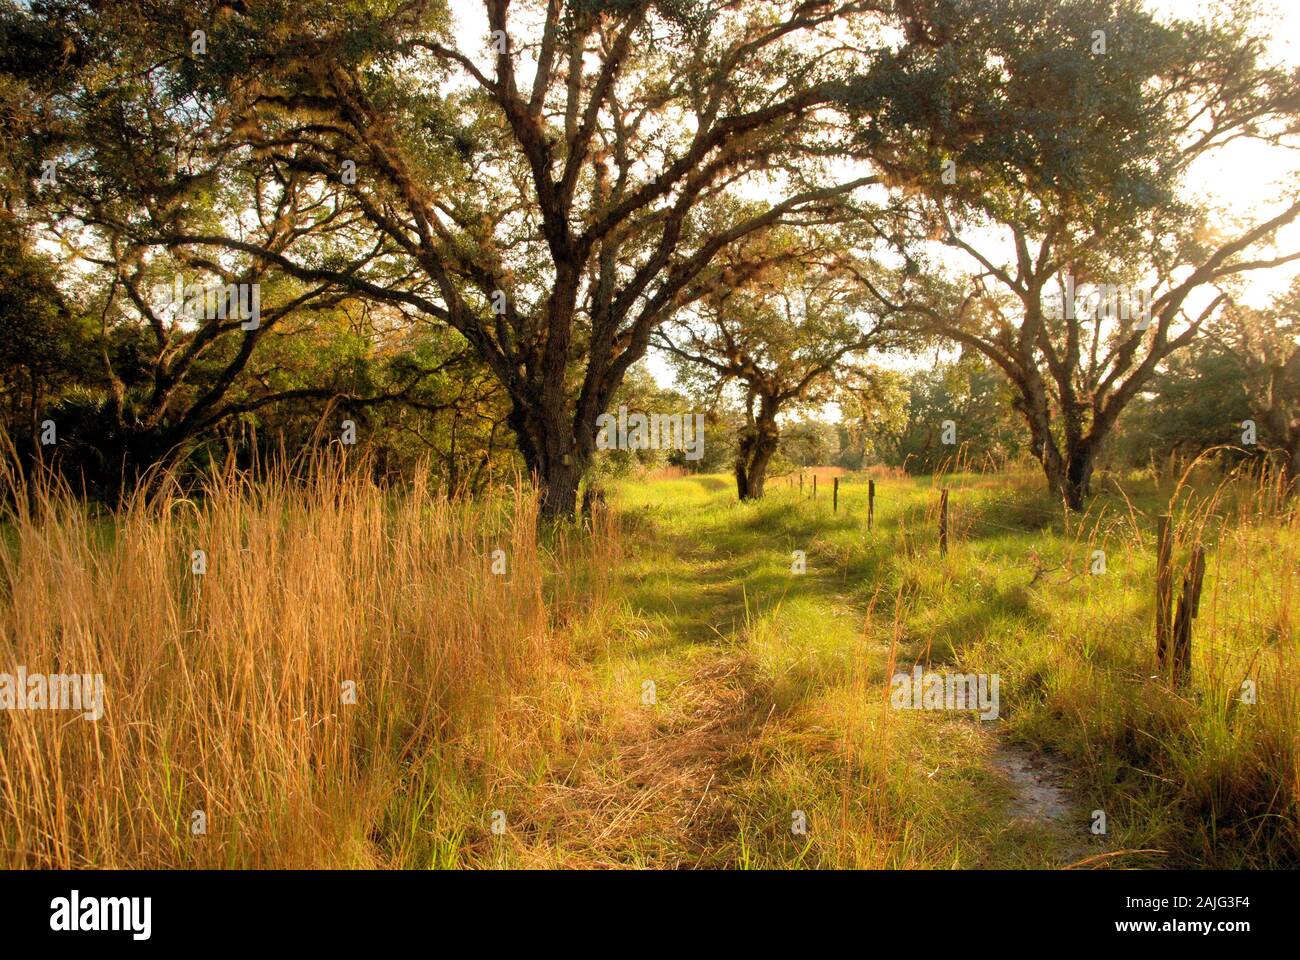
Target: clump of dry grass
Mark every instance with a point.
(227, 692)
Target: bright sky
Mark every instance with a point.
(1248, 178)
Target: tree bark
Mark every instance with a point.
(1069, 473)
(555, 457)
(758, 443)
(1078, 475)
(560, 492)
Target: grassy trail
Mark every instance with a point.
(668, 688)
(743, 695)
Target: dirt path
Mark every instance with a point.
(1041, 801)
(1038, 796)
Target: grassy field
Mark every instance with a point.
(663, 690)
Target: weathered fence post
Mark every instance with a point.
(871, 503)
(835, 495)
(1188, 606)
(801, 481)
(943, 522)
(814, 486)
(1164, 588)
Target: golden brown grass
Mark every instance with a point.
(225, 692)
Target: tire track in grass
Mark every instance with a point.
(644, 784)
(677, 785)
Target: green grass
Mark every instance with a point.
(772, 687)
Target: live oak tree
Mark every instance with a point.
(237, 340)
(1104, 114)
(785, 340)
(550, 189)
(117, 156)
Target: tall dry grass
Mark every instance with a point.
(226, 691)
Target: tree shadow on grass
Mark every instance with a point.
(704, 583)
(738, 569)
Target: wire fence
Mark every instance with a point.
(1234, 579)
(980, 500)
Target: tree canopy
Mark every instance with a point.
(462, 226)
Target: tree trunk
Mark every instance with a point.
(1069, 470)
(1078, 475)
(1070, 475)
(560, 492)
(758, 443)
(552, 456)
(1292, 463)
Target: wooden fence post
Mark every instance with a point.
(871, 503)
(1164, 588)
(814, 496)
(801, 481)
(943, 522)
(1188, 606)
(835, 495)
